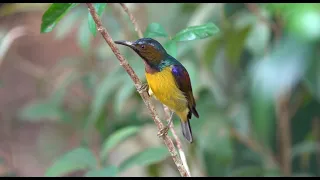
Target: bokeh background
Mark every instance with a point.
(256, 84)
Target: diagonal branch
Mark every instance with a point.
(124, 63)
(133, 20)
(166, 109)
(178, 142)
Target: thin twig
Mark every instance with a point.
(178, 142)
(254, 146)
(283, 117)
(117, 15)
(253, 7)
(133, 20)
(166, 109)
(124, 63)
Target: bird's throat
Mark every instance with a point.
(149, 69)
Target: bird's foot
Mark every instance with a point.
(163, 131)
(143, 88)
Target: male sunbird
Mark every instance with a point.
(167, 80)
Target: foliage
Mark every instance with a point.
(240, 72)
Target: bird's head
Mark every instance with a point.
(150, 50)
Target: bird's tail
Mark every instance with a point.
(186, 130)
(185, 126)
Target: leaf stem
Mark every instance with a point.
(133, 20)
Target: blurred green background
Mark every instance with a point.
(67, 108)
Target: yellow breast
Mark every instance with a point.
(163, 87)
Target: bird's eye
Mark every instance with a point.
(142, 46)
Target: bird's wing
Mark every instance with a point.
(183, 82)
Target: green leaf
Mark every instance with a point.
(40, 110)
(102, 94)
(123, 95)
(77, 159)
(54, 14)
(155, 30)
(99, 7)
(110, 171)
(57, 97)
(210, 51)
(144, 158)
(196, 32)
(246, 171)
(84, 37)
(235, 41)
(90, 80)
(305, 147)
(171, 48)
(217, 133)
(67, 24)
(312, 77)
(116, 138)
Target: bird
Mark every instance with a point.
(167, 80)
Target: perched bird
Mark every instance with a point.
(167, 80)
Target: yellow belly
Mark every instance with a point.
(163, 87)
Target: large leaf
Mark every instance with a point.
(57, 97)
(235, 41)
(210, 51)
(99, 7)
(144, 158)
(40, 110)
(110, 171)
(67, 24)
(84, 37)
(305, 147)
(196, 32)
(123, 95)
(217, 133)
(246, 171)
(155, 30)
(54, 14)
(77, 159)
(102, 94)
(116, 138)
(171, 48)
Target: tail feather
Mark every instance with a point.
(185, 117)
(186, 130)
(194, 111)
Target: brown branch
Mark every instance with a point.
(133, 20)
(123, 62)
(178, 142)
(283, 117)
(165, 108)
(117, 15)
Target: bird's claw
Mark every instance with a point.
(143, 88)
(163, 131)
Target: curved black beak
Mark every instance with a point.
(127, 43)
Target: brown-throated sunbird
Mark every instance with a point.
(167, 80)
